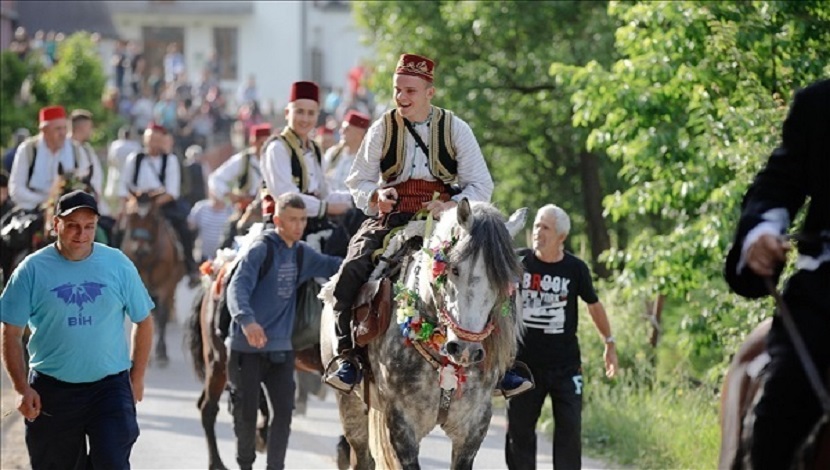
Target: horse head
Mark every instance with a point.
(471, 272)
(142, 221)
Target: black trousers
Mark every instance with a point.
(564, 386)
(101, 411)
(246, 371)
(356, 269)
(176, 213)
(789, 408)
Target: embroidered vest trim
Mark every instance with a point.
(442, 163)
(294, 146)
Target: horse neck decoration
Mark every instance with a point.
(460, 285)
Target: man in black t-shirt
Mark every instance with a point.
(552, 281)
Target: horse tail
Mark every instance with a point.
(380, 442)
(194, 334)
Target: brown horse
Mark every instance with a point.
(210, 359)
(742, 388)
(151, 243)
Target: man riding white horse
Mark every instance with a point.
(411, 153)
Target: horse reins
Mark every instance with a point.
(810, 368)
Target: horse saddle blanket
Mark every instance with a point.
(373, 313)
(19, 226)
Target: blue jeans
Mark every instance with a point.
(102, 411)
(245, 373)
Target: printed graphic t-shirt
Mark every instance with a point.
(549, 298)
(76, 311)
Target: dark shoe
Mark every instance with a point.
(514, 384)
(344, 378)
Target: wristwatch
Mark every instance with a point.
(610, 340)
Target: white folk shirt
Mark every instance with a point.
(336, 175)
(149, 175)
(116, 159)
(97, 180)
(366, 177)
(225, 178)
(29, 194)
(276, 170)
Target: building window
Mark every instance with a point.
(225, 43)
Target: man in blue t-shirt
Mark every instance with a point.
(262, 302)
(552, 282)
(82, 384)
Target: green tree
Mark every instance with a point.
(492, 63)
(77, 80)
(17, 108)
(690, 111)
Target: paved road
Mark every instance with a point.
(172, 438)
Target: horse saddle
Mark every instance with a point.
(373, 310)
(19, 226)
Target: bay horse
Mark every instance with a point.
(457, 329)
(742, 388)
(151, 243)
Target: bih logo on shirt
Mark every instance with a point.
(79, 295)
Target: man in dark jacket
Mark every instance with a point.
(797, 169)
(263, 310)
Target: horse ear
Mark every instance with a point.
(465, 214)
(516, 221)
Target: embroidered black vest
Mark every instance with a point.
(294, 146)
(442, 156)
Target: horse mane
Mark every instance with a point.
(490, 239)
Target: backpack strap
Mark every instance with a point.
(162, 175)
(269, 258)
(32, 157)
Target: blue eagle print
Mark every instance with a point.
(78, 295)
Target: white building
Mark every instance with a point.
(278, 42)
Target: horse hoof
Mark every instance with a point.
(162, 361)
(343, 454)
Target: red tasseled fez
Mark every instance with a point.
(415, 65)
(323, 130)
(358, 119)
(259, 130)
(304, 91)
(152, 126)
(49, 114)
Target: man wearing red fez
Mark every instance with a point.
(292, 161)
(155, 168)
(239, 179)
(324, 136)
(410, 153)
(338, 160)
(40, 159)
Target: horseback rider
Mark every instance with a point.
(796, 170)
(239, 179)
(154, 169)
(338, 160)
(292, 161)
(81, 126)
(42, 158)
(394, 175)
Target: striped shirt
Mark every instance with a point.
(209, 223)
(365, 177)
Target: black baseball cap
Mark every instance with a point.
(76, 200)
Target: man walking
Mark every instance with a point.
(553, 279)
(262, 296)
(83, 381)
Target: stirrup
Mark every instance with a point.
(526, 374)
(346, 357)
